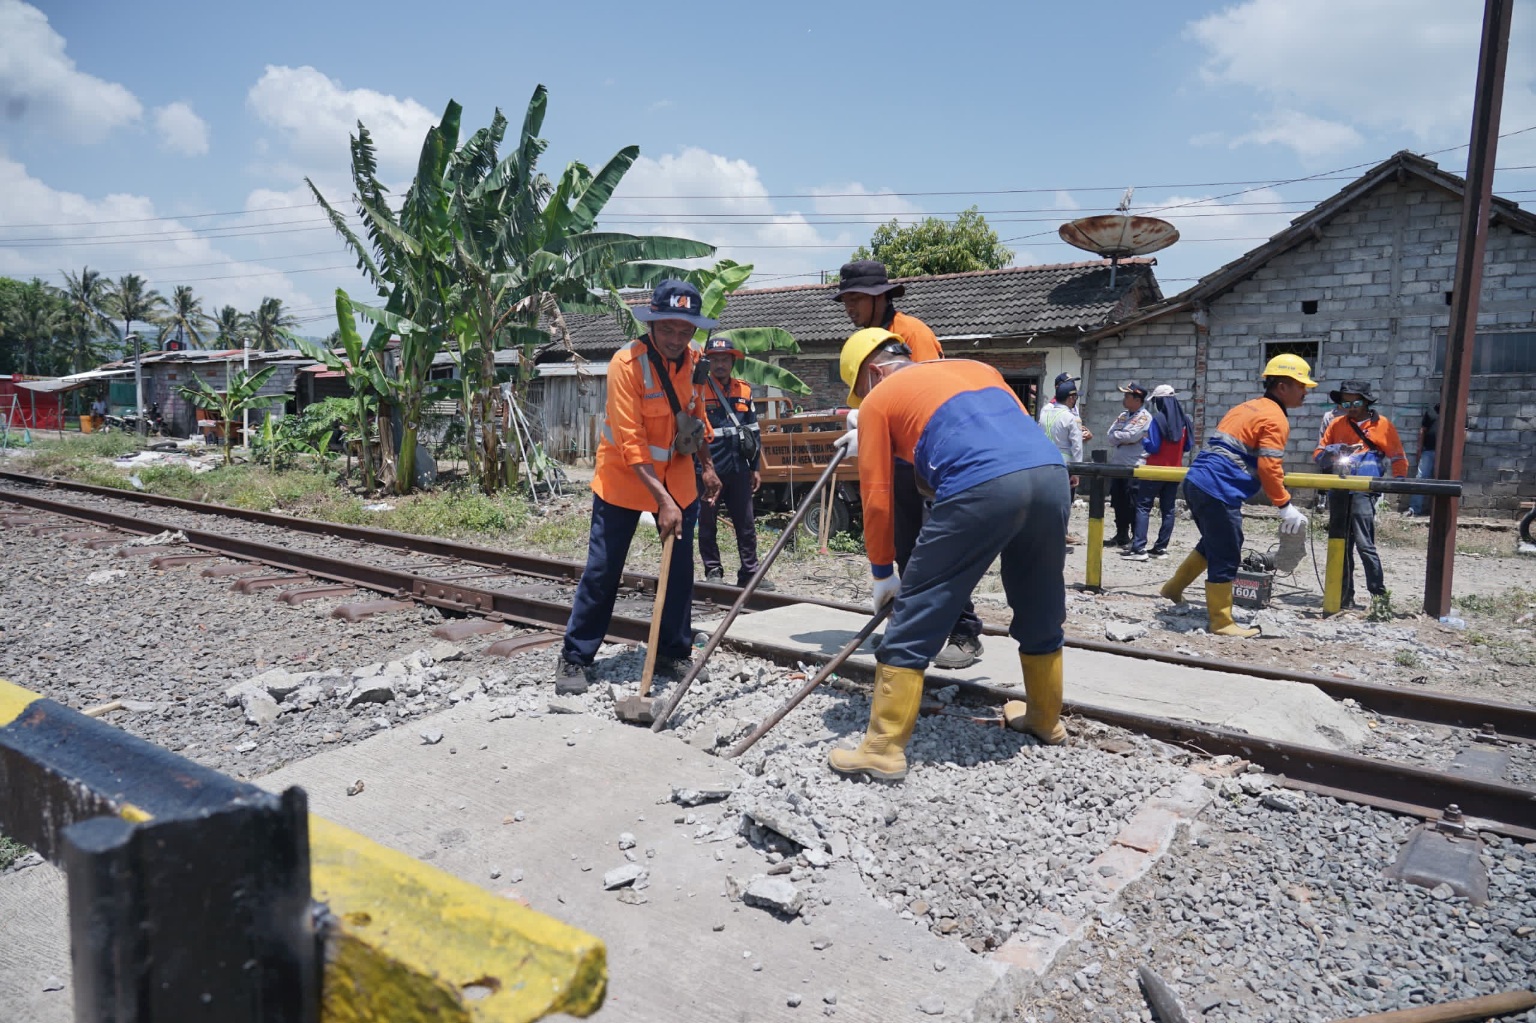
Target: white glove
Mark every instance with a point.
(1293, 519)
(887, 588)
(853, 419)
(849, 442)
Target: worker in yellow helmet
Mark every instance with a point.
(1241, 457)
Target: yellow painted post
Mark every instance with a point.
(1094, 578)
(1338, 538)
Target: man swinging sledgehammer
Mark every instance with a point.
(999, 489)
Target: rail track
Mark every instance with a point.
(530, 591)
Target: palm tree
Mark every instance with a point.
(131, 302)
(268, 323)
(86, 297)
(233, 327)
(186, 316)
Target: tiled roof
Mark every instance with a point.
(1017, 300)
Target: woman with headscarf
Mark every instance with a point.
(1170, 435)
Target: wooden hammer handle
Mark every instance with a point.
(661, 600)
(1463, 1011)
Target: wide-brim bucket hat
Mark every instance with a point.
(1359, 387)
(675, 300)
(866, 277)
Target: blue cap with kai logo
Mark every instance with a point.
(674, 300)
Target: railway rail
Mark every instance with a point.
(524, 590)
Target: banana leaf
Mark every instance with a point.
(760, 339)
(763, 374)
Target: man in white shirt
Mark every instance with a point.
(1062, 424)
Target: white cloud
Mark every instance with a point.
(1395, 67)
(740, 218)
(41, 88)
(181, 130)
(316, 116)
(1311, 137)
(117, 234)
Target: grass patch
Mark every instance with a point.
(1510, 604)
(1408, 659)
(10, 851)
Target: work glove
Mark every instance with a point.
(853, 419)
(849, 443)
(1293, 519)
(887, 588)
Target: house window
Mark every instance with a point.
(1309, 350)
(1494, 352)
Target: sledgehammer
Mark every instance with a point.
(747, 590)
(641, 710)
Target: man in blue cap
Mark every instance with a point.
(736, 452)
(653, 430)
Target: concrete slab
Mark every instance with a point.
(579, 783)
(1285, 711)
(34, 946)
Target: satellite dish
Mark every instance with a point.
(1115, 236)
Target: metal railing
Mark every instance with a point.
(1097, 475)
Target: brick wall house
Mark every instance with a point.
(1026, 321)
(1360, 287)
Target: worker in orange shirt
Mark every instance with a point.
(867, 296)
(1361, 442)
(999, 488)
(654, 429)
(1244, 455)
(737, 453)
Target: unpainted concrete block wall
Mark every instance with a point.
(1379, 273)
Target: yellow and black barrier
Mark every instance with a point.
(1098, 474)
(272, 914)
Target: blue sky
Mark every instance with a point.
(782, 134)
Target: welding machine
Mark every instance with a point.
(1255, 581)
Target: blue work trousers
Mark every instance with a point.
(1221, 533)
(1418, 504)
(1020, 517)
(1361, 542)
(911, 510)
(1148, 492)
(736, 498)
(592, 608)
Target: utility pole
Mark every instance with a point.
(138, 387)
(1467, 285)
(245, 414)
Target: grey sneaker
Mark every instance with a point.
(1130, 555)
(572, 677)
(714, 575)
(675, 669)
(959, 652)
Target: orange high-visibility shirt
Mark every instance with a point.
(639, 427)
(1381, 432)
(1246, 452)
(924, 344)
(957, 422)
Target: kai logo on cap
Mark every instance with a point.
(681, 301)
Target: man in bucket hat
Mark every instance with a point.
(653, 430)
(1361, 442)
(867, 296)
(736, 451)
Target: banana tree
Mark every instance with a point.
(364, 370)
(242, 392)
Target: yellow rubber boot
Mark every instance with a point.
(1218, 608)
(1040, 714)
(892, 716)
(1188, 571)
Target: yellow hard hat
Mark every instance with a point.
(856, 349)
(859, 347)
(1293, 366)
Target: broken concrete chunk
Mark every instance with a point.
(306, 695)
(626, 841)
(432, 736)
(784, 821)
(775, 894)
(566, 707)
(684, 795)
(140, 706)
(621, 877)
(260, 709)
(931, 1005)
(630, 897)
(372, 690)
(468, 691)
(367, 670)
(1124, 632)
